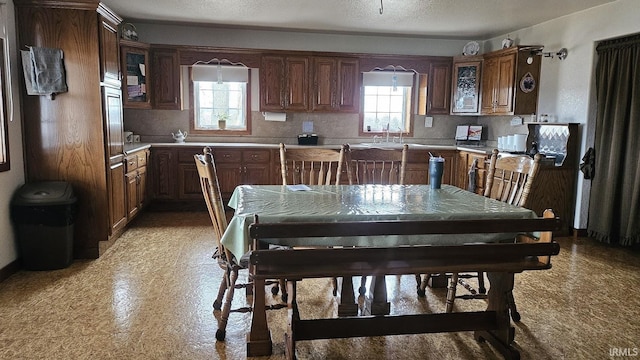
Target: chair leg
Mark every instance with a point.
(224, 318)
(217, 304)
(283, 288)
(481, 288)
(451, 292)
(334, 281)
(422, 284)
(515, 315)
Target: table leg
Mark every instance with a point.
(501, 286)
(379, 303)
(347, 305)
(259, 337)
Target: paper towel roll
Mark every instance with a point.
(270, 116)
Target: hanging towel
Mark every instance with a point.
(44, 71)
(589, 163)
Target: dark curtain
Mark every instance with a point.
(614, 206)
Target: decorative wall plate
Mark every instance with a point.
(527, 83)
(471, 48)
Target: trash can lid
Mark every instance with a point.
(45, 193)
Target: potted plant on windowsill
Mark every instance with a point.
(222, 120)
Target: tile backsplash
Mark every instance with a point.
(333, 128)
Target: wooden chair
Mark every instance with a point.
(311, 165)
(509, 180)
(378, 166)
(213, 199)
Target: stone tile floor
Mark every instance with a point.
(150, 296)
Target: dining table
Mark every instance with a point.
(333, 203)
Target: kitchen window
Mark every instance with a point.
(386, 101)
(220, 99)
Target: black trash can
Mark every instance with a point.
(44, 215)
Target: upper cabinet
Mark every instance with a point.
(510, 84)
(135, 68)
(439, 88)
(166, 79)
(109, 61)
(465, 88)
(335, 84)
(309, 83)
(284, 83)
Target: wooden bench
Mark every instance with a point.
(499, 261)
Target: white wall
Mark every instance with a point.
(14, 178)
(567, 87)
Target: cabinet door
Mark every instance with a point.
(112, 112)
(109, 59)
(117, 197)
(488, 82)
(132, 193)
(466, 88)
(166, 79)
(462, 172)
(188, 182)
(505, 84)
(164, 173)
(348, 88)
(135, 87)
(324, 84)
(230, 175)
(297, 84)
(439, 90)
(272, 83)
(142, 187)
(256, 174)
(481, 173)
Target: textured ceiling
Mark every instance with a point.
(455, 19)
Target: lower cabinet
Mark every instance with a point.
(175, 177)
(417, 171)
(464, 163)
(136, 180)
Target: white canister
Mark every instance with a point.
(511, 143)
(520, 142)
(500, 143)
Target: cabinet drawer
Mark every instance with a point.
(142, 158)
(221, 155)
(132, 163)
(256, 156)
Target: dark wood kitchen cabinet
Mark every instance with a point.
(417, 170)
(175, 179)
(509, 83)
(136, 180)
(165, 67)
(75, 137)
(135, 74)
(439, 88)
(465, 87)
(335, 84)
(463, 166)
(284, 83)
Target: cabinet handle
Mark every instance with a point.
(226, 156)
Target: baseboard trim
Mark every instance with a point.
(12, 268)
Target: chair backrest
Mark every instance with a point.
(382, 166)
(212, 195)
(510, 177)
(311, 165)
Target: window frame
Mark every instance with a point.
(229, 132)
(410, 116)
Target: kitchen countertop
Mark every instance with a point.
(139, 146)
